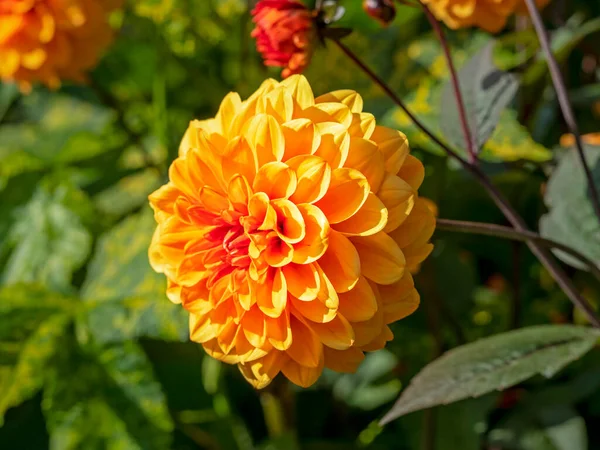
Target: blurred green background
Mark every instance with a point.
(94, 356)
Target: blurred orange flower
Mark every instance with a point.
(490, 15)
(289, 229)
(52, 40)
(568, 140)
(285, 34)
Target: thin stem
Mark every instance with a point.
(563, 99)
(501, 202)
(489, 229)
(462, 110)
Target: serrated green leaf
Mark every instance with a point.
(494, 363)
(26, 376)
(107, 399)
(126, 297)
(571, 219)
(486, 92)
(48, 241)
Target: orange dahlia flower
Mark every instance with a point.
(289, 229)
(491, 15)
(285, 34)
(50, 40)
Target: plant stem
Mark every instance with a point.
(501, 202)
(462, 110)
(563, 99)
(488, 229)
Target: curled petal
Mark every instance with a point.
(259, 373)
(302, 280)
(334, 145)
(301, 375)
(301, 138)
(381, 259)
(306, 348)
(350, 98)
(371, 218)
(412, 171)
(313, 174)
(301, 91)
(271, 295)
(359, 304)
(276, 180)
(348, 191)
(337, 333)
(393, 145)
(290, 222)
(365, 157)
(264, 135)
(341, 263)
(399, 199)
(315, 242)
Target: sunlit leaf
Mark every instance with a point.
(494, 363)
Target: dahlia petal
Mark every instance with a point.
(247, 352)
(334, 145)
(399, 199)
(417, 228)
(254, 326)
(271, 295)
(314, 244)
(276, 180)
(301, 91)
(279, 331)
(359, 304)
(313, 310)
(301, 375)
(348, 191)
(248, 109)
(201, 329)
(290, 222)
(343, 361)
(227, 111)
(337, 333)
(313, 174)
(301, 138)
(306, 348)
(350, 98)
(412, 171)
(278, 253)
(239, 193)
(379, 342)
(328, 112)
(239, 159)
(393, 145)
(265, 138)
(262, 212)
(278, 103)
(174, 292)
(302, 280)
(227, 336)
(261, 372)
(363, 125)
(368, 330)
(212, 200)
(365, 157)
(402, 308)
(341, 263)
(213, 350)
(381, 259)
(371, 218)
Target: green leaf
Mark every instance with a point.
(107, 399)
(8, 94)
(48, 240)
(126, 298)
(486, 92)
(23, 378)
(494, 363)
(571, 219)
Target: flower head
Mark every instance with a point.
(51, 40)
(285, 34)
(289, 229)
(490, 15)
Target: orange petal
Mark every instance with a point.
(239, 192)
(276, 180)
(347, 192)
(290, 222)
(278, 103)
(337, 334)
(227, 111)
(239, 159)
(306, 348)
(279, 331)
(363, 125)
(262, 212)
(393, 145)
(271, 296)
(302, 280)
(365, 157)
(313, 174)
(329, 112)
(381, 259)
(380, 340)
(341, 263)
(164, 198)
(313, 310)
(265, 138)
(261, 372)
(278, 253)
(301, 138)
(301, 375)
(412, 171)
(371, 218)
(350, 98)
(343, 361)
(201, 329)
(300, 89)
(314, 244)
(334, 145)
(360, 303)
(254, 327)
(399, 199)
